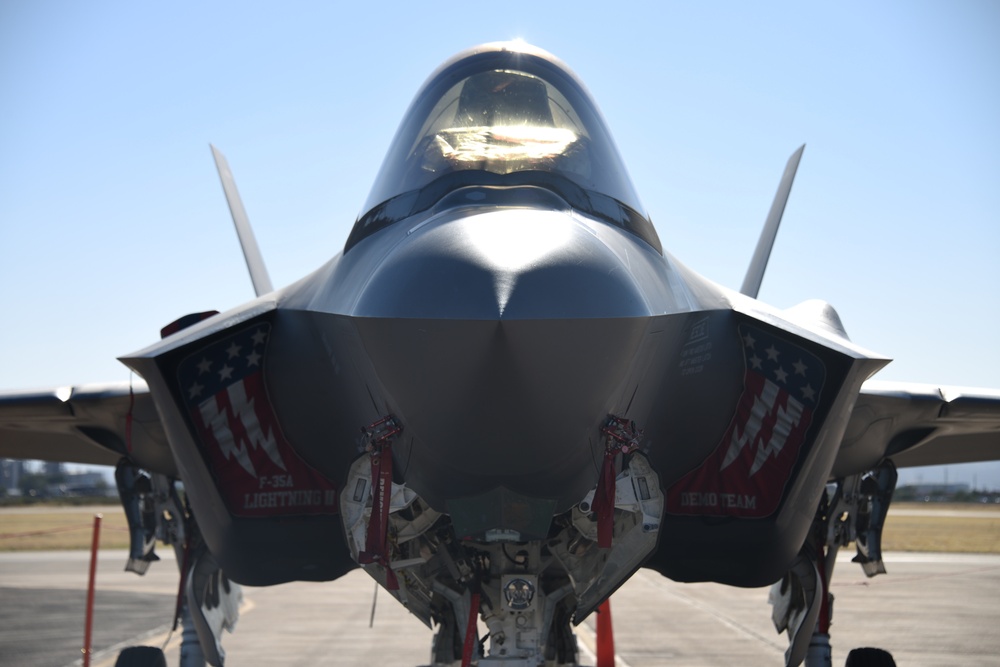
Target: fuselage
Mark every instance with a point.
(502, 296)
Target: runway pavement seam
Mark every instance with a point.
(926, 577)
(946, 620)
(97, 657)
(588, 645)
(722, 618)
(163, 636)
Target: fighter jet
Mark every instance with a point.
(503, 398)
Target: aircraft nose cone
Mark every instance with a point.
(503, 264)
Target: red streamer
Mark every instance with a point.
(376, 541)
(470, 630)
(604, 501)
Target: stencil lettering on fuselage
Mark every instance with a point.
(697, 351)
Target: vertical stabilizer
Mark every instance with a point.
(755, 273)
(255, 262)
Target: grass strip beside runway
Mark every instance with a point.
(913, 527)
(948, 534)
(60, 528)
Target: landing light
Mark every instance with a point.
(502, 535)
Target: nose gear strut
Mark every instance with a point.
(528, 591)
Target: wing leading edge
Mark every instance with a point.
(85, 424)
(920, 425)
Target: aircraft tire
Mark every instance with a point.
(869, 657)
(141, 656)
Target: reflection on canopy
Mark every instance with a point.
(501, 121)
(503, 115)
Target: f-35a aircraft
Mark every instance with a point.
(503, 398)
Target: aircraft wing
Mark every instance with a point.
(920, 425)
(85, 424)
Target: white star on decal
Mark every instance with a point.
(253, 359)
(204, 366)
(749, 340)
(226, 373)
(808, 392)
(800, 368)
(195, 390)
(259, 337)
(233, 350)
(780, 374)
(772, 353)
(755, 361)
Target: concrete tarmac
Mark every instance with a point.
(931, 609)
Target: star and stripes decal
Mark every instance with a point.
(257, 471)
(746, 474)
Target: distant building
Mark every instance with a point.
(86, 484)
(11, 472)
(939, 489)
(52, 468)
(934, 492)
(51, 479)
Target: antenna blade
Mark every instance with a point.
(255, 262)
(755, 273)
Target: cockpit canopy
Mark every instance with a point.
(503, 115)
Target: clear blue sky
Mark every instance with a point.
(112, 221)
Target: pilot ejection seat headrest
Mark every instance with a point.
(498, 98)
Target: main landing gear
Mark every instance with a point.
(207, 601)
(852, 510)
